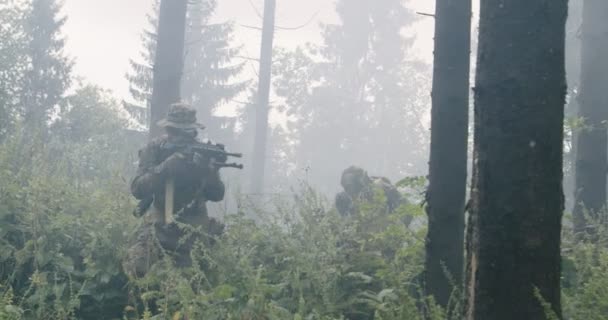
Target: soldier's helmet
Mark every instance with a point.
(181, 116)
(354, 180)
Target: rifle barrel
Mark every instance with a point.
(230, 165)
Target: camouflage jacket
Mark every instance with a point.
(192, 186)
(346, 203)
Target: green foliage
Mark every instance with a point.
(64, 219)
(90, 126)
(12, 62)
(304, 262)
(585, 272)
(65, 207)
(8, 309)
(60, 241)
(65, 223)
(63, 238)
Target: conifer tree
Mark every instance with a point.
(209, 69)
(47, 76)
(12, 62)
(357, 95)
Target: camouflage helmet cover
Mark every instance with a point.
(354, 180)
(181, 116)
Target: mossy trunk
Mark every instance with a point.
(516, 196)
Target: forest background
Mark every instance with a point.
(69, 149)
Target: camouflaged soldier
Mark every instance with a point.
(194, 182)
(358, 187)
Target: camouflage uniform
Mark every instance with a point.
(358, 187)
(194, 185)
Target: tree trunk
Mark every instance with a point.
(448, 159)
(169, 60)
(592, 142)
(261, 119)
(516, 197)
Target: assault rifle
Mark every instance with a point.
(196, 152)
(206, 150)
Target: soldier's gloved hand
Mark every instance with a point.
(174, 164)
(212, 165)
(199, 160)
(205, 164)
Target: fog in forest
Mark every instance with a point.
(298, 150)
(102, 52)
(303, 160)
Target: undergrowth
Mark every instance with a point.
(64, 230)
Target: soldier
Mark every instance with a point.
(194, 179)
(358, 186)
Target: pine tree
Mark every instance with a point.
(48, 73)
(209, 72)
(140, 75)
(12, 62)
(516, 205)
(355, 104)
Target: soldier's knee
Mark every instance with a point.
(138, 261)
(142, 254)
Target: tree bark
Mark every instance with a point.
(169, 61)
(592, 141)
(448, 160)
(263, 96)
(516, 197)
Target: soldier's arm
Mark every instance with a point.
(149, 178)
(214, 189)
(344, 203)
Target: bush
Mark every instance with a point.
(303, 262)
(61, 243)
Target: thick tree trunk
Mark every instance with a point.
(169, 60)
(261, 119)
(448, 160)
(516, 197)
(592, 142)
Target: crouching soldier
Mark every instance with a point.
(359, 188)
(173, 185)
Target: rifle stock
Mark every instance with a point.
(169, 201)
